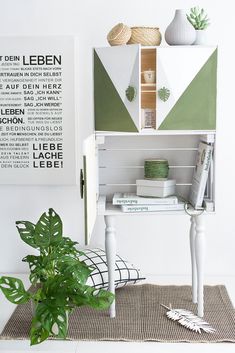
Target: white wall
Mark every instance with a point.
(158, 245)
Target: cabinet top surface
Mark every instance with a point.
(193, 47)
(157, 133)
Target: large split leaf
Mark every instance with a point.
(14, 290)
(37, 270)
(38, 333)
(48, 229)
(95, 298)
(70, 266)
(27, 232)
(50, 320)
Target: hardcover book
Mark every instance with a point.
(153, 208)
(133, 199)
(203, 161)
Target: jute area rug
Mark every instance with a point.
(140, 317)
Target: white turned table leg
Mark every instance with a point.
(192, 236)
(200, 256)
(110, 248)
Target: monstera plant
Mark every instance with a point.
(58, 279)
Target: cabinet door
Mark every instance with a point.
(90, 173)
(116, 69)
(189, 73)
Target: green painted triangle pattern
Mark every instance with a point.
(196, 108)
(110, 111)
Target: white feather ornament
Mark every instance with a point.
(188, 319)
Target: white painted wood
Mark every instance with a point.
(192, 236)
(121, 160)
(107, 190)
(91, 184)
(119, 175)
(200, 257)
(153, 132)
(122, 64)
(169, 65)
(141, 141)
(110, 248)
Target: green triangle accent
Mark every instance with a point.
(110, 111)
(196, 107)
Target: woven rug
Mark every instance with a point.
(140, 317)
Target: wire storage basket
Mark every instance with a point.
(145, 36)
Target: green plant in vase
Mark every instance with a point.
(58, 277)
(200, 21)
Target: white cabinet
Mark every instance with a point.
(182, 96)
(182, 104)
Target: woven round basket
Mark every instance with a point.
(145, 36)
(120, 34)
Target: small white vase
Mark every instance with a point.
(200, 37)
(180, 31)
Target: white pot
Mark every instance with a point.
(200, 37)
(180, 31)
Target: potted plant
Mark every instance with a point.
(58, 278)
(200, 21)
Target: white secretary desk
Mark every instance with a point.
(113, 157)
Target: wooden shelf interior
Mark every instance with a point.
(148, 61)
(148, 90)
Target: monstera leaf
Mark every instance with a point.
(27, 232)
(14, 290)
(164, 94)
(48, 229)
(49, 320)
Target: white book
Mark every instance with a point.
(200, 176)
(153, 208)
(133, 199)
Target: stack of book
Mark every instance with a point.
(133, 203)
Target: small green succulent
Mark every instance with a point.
(198, 18)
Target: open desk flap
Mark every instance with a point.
(90, 174)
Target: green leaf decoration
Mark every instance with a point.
(48, 229)
(27, 232)
(164, 94)
(14, 290)
(131, 93)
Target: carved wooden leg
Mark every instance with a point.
(110, 248)
(192, 235)
(200, 257)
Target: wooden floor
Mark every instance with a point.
(6, 309)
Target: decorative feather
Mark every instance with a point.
(188, 319)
